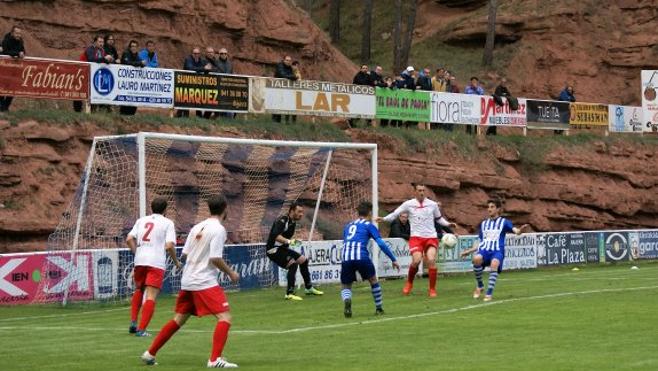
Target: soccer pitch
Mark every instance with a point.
(598, 318)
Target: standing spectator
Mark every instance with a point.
(452, 86)
(211, 61)
(439, 82)
(149, 55)
(362, 77)
(296, 70)
(501, 92)
(110, 49)
(400, 227)
(193, 62)
(473, 88)
(377, 78)
(424, 81)
(567, 95)
(407, 79)
(223, 64)
(130, 57)
(96, 52)
(284, 71)
(12, 45)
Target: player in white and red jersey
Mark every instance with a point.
(149, 239)
(200, 293)
(423, 240)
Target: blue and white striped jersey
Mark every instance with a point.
(356, 236)
(492, 234)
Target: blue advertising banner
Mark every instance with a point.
(616, 246)
(643, 244)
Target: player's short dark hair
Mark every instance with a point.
(217, 205)
(294, 205)
(474, 78)
(150, 42)
(495, 201)
(159, 205)
(364, 208)
(415, 185)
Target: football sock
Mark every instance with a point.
(292, 273)
(346, 294)
(167, 331)
(432, 278)
(136, 304)
(219, 339)
(376, 290)
(306, 275)
(478, 269)
(493, 276)
(147, 313)
(412, 273)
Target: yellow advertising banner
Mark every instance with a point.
(588, 114)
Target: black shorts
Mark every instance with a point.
(282, 256)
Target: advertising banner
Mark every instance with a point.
(520, 251)
(306, 97)
(106, 267)
(643, 244)
(588, 114)
(117, 84)
(20, 275)
(570, 248)
(323, 261)
(400, 248)
(449, 260)
(616, 246)
(211, 92)
(649, 101)
(451, 108)
(44, 79)
(544, 114)
(493, 114)
(403, 104)
(624, 119)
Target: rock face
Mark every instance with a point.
(256, 33)
(41, 165)
(600, 47)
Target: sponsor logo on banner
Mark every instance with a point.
(564, 248)
(616, 246)
(323, 261)
(400, 248)
(649, 101)
(544, 114)
(211, 92)
(251, 263)
(493, 114)
(624, 119)
(588, 114)
(520, 251)
(44, 79)
(449, 260)
(106, 267)
(643, 244)
(403, 104)
(132, 86)
(317, 98)
(451, 108)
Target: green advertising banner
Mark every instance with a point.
(402, 104)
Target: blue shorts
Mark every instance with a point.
(489, 255)
(348, 270)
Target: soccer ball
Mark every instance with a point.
(449, 240)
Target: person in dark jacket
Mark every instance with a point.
(377, 77)
(223, 64)
(400, 227)
(567, 95)
(96, 51)
(194, 62)
(110, 49)
(12, 45)
(211, 59)
(424, 81)
(501, 92)
(284, 71)
(149, 55)
(363, 77)
(407, 79)
(130, 57)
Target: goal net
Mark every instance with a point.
(87, 259)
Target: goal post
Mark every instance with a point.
(87, 259)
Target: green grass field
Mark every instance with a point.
(599, 318)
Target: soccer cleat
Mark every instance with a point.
(477, 292)
(133, 327)
(348, 308)
(148, 359)
(488, 298)
(407, 288)
(221, 363)
(379, 312)
(293, 297)
(432, 293)
(142, 334)
(313, 291)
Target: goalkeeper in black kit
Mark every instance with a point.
(278, 250)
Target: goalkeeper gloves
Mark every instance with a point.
(293, 242)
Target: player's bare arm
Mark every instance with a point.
(468, 252)
(171, 250)
(522, 229)
(130, 241)
(222, 266)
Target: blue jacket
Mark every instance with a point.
(150, 61)
(565, 96)
(407, 81)
(476, 91)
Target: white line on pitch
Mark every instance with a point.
(367, 322)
